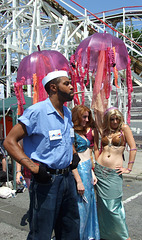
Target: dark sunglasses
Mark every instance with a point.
(113, 119)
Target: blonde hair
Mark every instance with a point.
(106, 119)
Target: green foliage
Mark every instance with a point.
(132, 33)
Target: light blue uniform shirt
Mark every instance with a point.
(50, 137)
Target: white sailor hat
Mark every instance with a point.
(50, 76)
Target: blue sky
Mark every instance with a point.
(96, 6)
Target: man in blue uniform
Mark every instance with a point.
(47, 132)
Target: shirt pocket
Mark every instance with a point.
(55, 143)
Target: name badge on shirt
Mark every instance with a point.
(55, 134)
(71, 132)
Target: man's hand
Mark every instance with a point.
(76, 159)
(42, 176)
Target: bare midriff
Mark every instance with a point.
(84, 155)
(111, 156)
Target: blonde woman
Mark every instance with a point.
(108, 170)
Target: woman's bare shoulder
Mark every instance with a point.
(125, 127)
(126, 130)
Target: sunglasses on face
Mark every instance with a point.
(114, 118)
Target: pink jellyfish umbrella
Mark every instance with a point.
(101, 54)
(92, 45)
(41, 63)
(33, 68)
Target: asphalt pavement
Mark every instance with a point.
(14, 211)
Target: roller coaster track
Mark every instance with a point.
(61, 26)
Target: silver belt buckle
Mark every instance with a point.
(61, 171)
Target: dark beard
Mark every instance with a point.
(65, 97)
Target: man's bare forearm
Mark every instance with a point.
(11, 144)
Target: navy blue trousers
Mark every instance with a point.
(54, 206)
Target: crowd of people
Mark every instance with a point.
(5, 167)
(75, 180)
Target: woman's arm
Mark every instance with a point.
(80, 186)
(132, 145)
(132, 154)
(96, 143)
(94, 179)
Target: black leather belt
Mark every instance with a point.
(58, 171)
(54, 171)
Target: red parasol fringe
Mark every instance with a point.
(20, 96)
(88, 65)
(130, 88)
